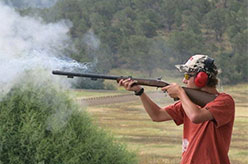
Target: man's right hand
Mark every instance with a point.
(129, 85)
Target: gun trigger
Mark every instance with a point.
(176, 99)
(70, 76)
(165, 93)
(133, 84)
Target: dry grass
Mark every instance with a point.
(157, 143)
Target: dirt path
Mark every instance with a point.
(103, 100)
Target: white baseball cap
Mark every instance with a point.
(198, 63)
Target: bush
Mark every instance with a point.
(40, 125)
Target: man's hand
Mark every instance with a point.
(173, 90)
(129, 85)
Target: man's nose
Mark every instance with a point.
(185, 81)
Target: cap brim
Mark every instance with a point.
(182, 68)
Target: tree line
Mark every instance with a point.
(149, 34)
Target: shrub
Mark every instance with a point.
(39, 124)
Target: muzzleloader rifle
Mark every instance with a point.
(198, 97)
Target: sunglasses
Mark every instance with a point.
(188, 76)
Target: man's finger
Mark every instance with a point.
(126, 80)
(120, 82)
(165, 88)
(131, 84)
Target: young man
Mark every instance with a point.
(207, 130)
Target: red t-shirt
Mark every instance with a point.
(207, 142)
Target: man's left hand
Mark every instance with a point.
(173, 90)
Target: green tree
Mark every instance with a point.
(216, 20)
(234, 68)
(145, 27)
(134, 50)
(124, 21)
(201, 8)
(237, 21)
(189, 26)
(192, 24)
(160, 55)
(184, 44)
(239, 42)
(168, 13)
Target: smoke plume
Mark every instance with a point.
(28, 43)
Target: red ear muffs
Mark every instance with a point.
(201, 79)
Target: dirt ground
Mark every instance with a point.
(104, 100)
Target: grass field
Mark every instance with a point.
(157, 143)
(93, 93)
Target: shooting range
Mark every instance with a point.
(45, 118)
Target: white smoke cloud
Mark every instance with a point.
(24, 34)
(27, 43)
(91, 40)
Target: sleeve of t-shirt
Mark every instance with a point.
(176, 112)
(222, 109)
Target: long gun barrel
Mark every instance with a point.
(200, 98)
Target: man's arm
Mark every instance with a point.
(155, 112)
(195, 113)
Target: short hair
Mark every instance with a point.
(212, 81)
(212, 76)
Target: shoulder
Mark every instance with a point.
(222, 109)
(224, 95)
(225, 98)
